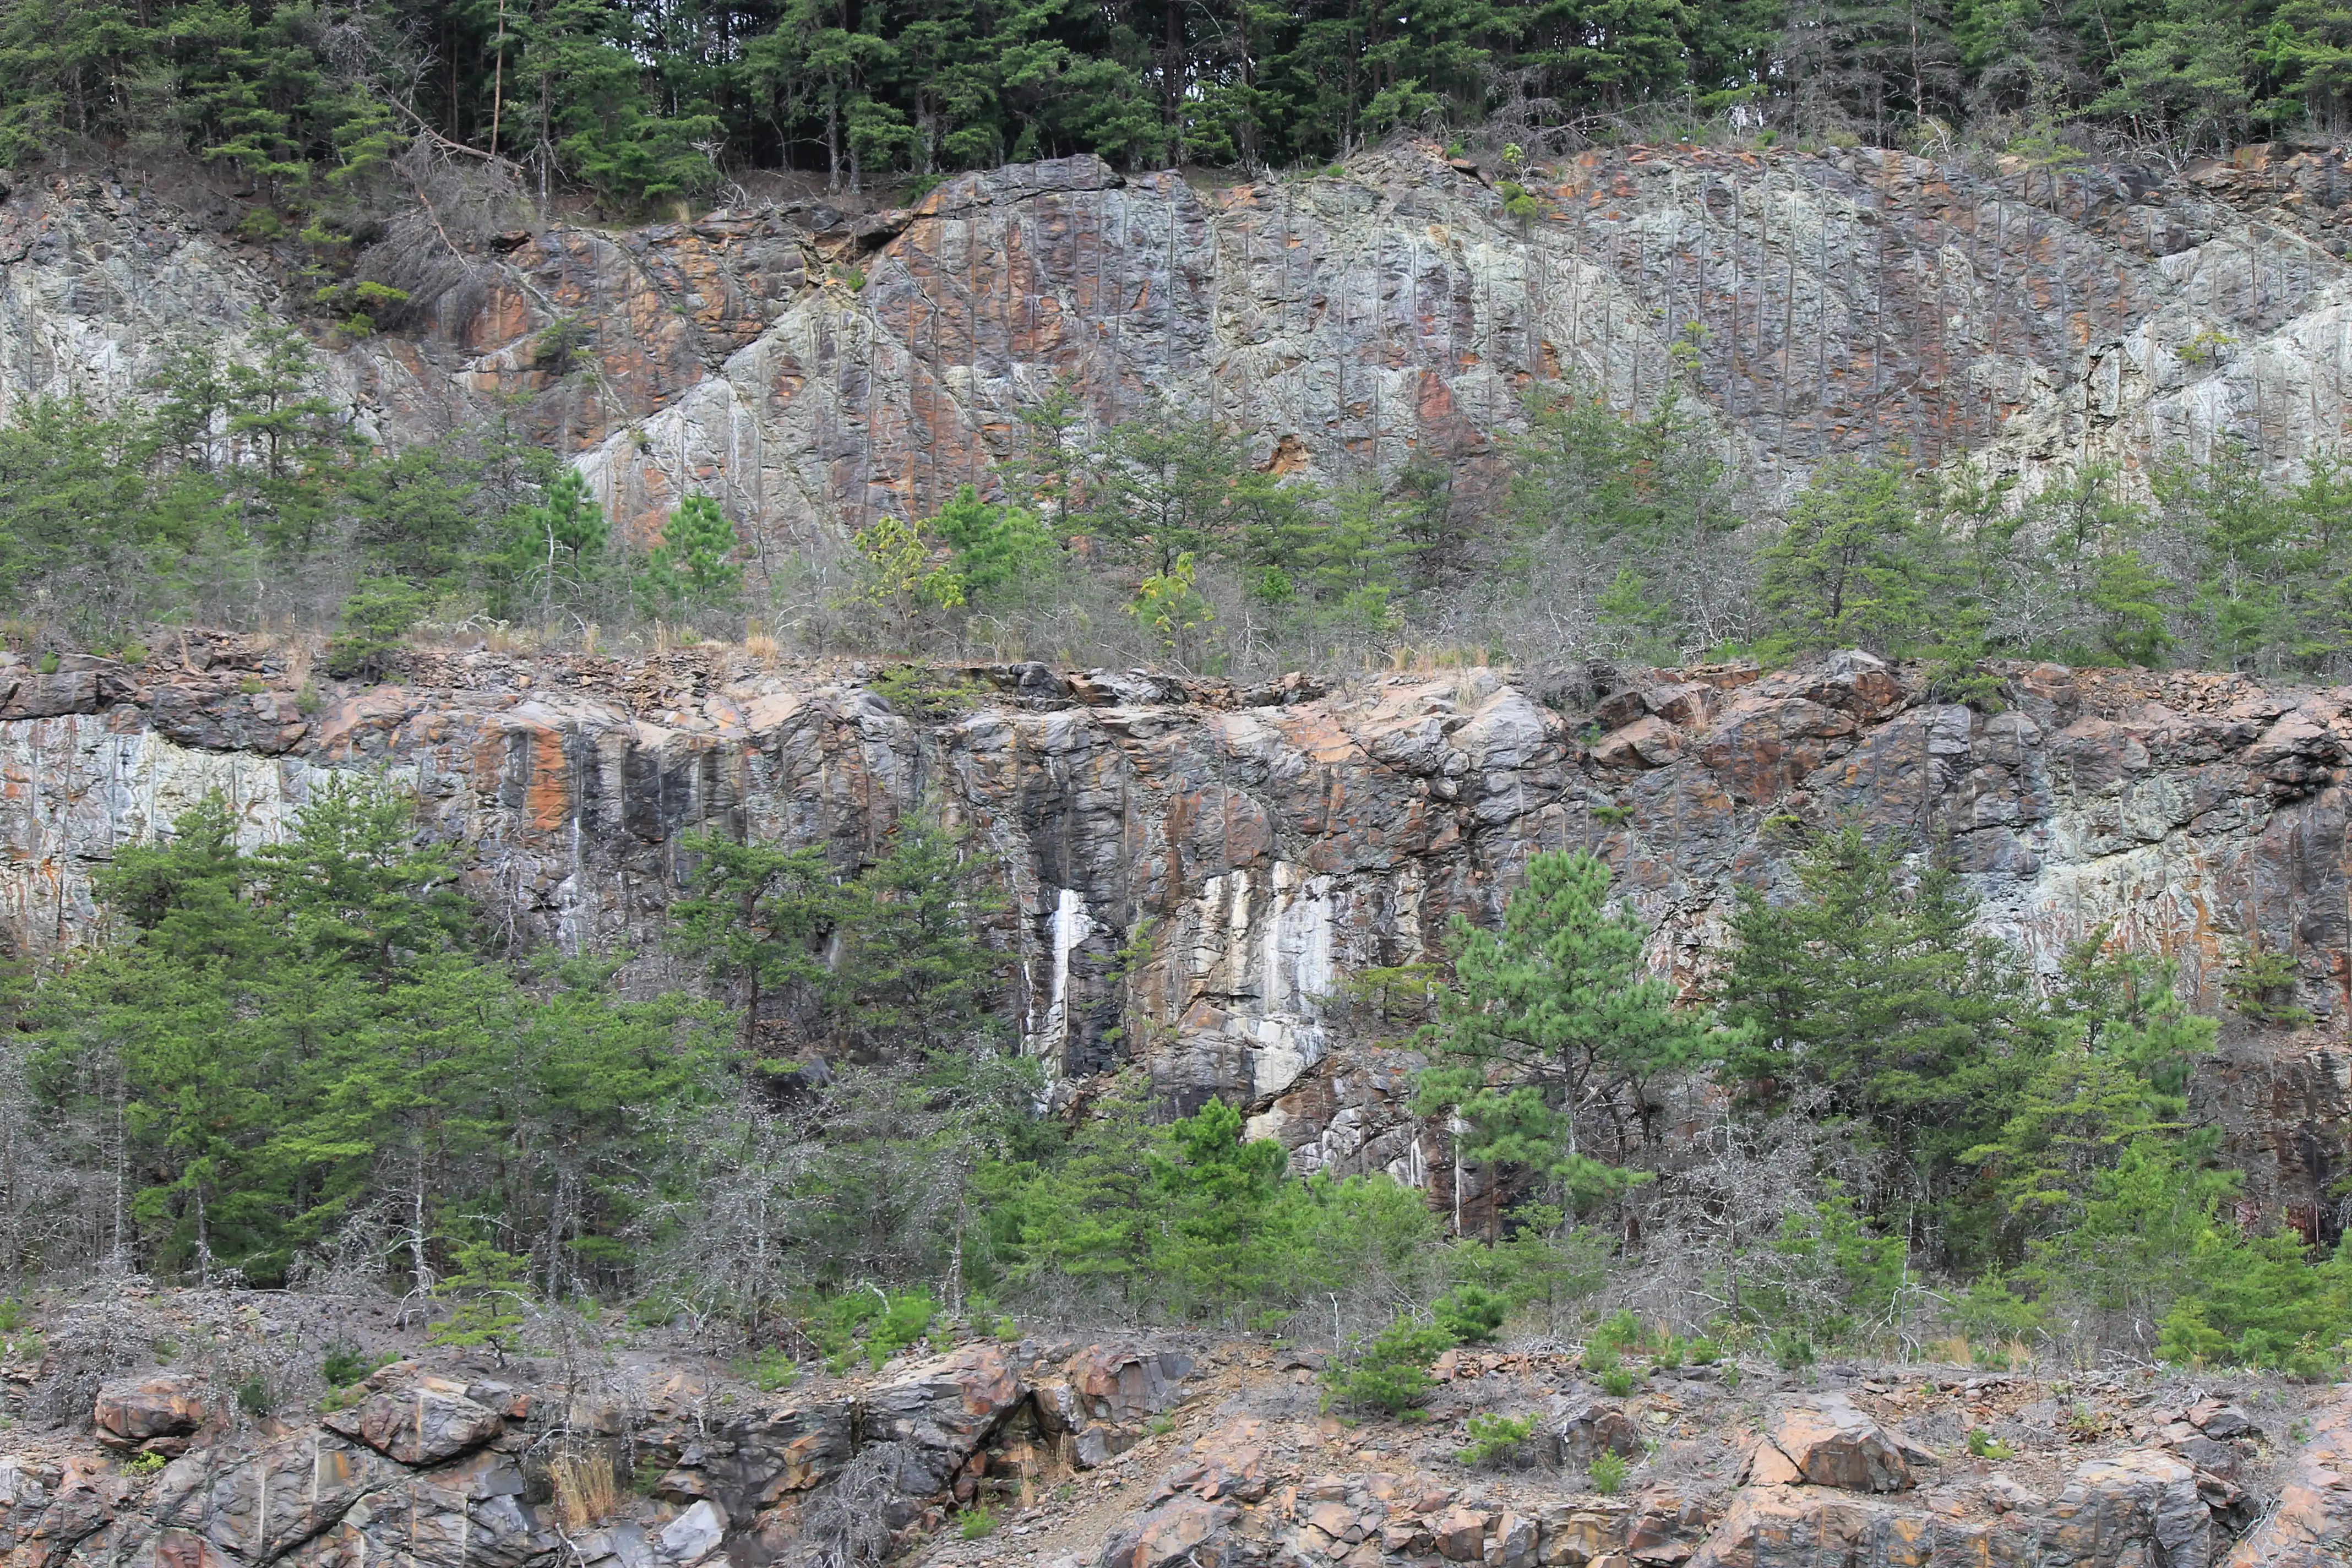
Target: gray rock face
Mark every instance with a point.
(940, 1411)
(424, 1423)
(1276, 842)
(1851, 300)
(146, 1411)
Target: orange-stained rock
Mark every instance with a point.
(165, 1407)
(942, 1408)
(424, 1423)
(1829, 1443)
(1183, 1529)
(2311, 1525)
(1461, 1534)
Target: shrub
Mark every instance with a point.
(1617, 1383)
(977, 1522)
(1704, 1351)
(375, 619)
(1392, 1372)
(769, 1371)
(346, 1363)
(1608, 1472)
(1494, 1438)
(1622, 1332)
(1792, 1351)
(1983, 1444)
(255, 1398)
(881, 1325)
(1470, 1313)
(905, 1323)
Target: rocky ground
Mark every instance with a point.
(192, 1430)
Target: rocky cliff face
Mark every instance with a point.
(814, 368)
(1262, 843)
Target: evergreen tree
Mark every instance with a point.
(1545, 1012)
(753, 914)
(1874, 992)
(1857, 566)
(693, 567)
(555, 553)
(1000, 549)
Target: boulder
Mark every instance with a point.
(1512, 1543)
(1186, 1528)
(942, 1410)
(2217, 1420)
(1103, 1396)
(1572, 1536)
(1647, 742)
(155, 1414)
(694, 1534)
(1582, 1430)
(1230, 1463)
(2144, 1494)
(424, 1423)
(1823, 1439)
(1461, 1534)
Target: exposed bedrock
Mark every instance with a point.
(1263, 843)
(815, 368)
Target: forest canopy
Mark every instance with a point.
(640, 102)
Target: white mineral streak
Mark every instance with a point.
(1262, 958)
(1070, 925)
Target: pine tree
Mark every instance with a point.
(1857, 566)
(752, 915)
(1001, 550)
(1546, 1012)
(693, 567)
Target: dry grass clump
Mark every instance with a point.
(587, 1489)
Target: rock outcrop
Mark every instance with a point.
(444, 1472)
(816, 368)
(1146, 1451)
(1822, 1440)
(1264, 842)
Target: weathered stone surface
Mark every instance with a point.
(150, 1410)
(259, 1506)
(1461, 1534)
(694, 1534)
(1851, 300)
(1186, 1528)
(1104, 1394)
(423, 1423)
(469, 1513)
(1823, 1439)
(2311, 1526)
(2143, 1495)
(941, 1409)
(1511, 1543)
(1585, 1429)
(1271, 850)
